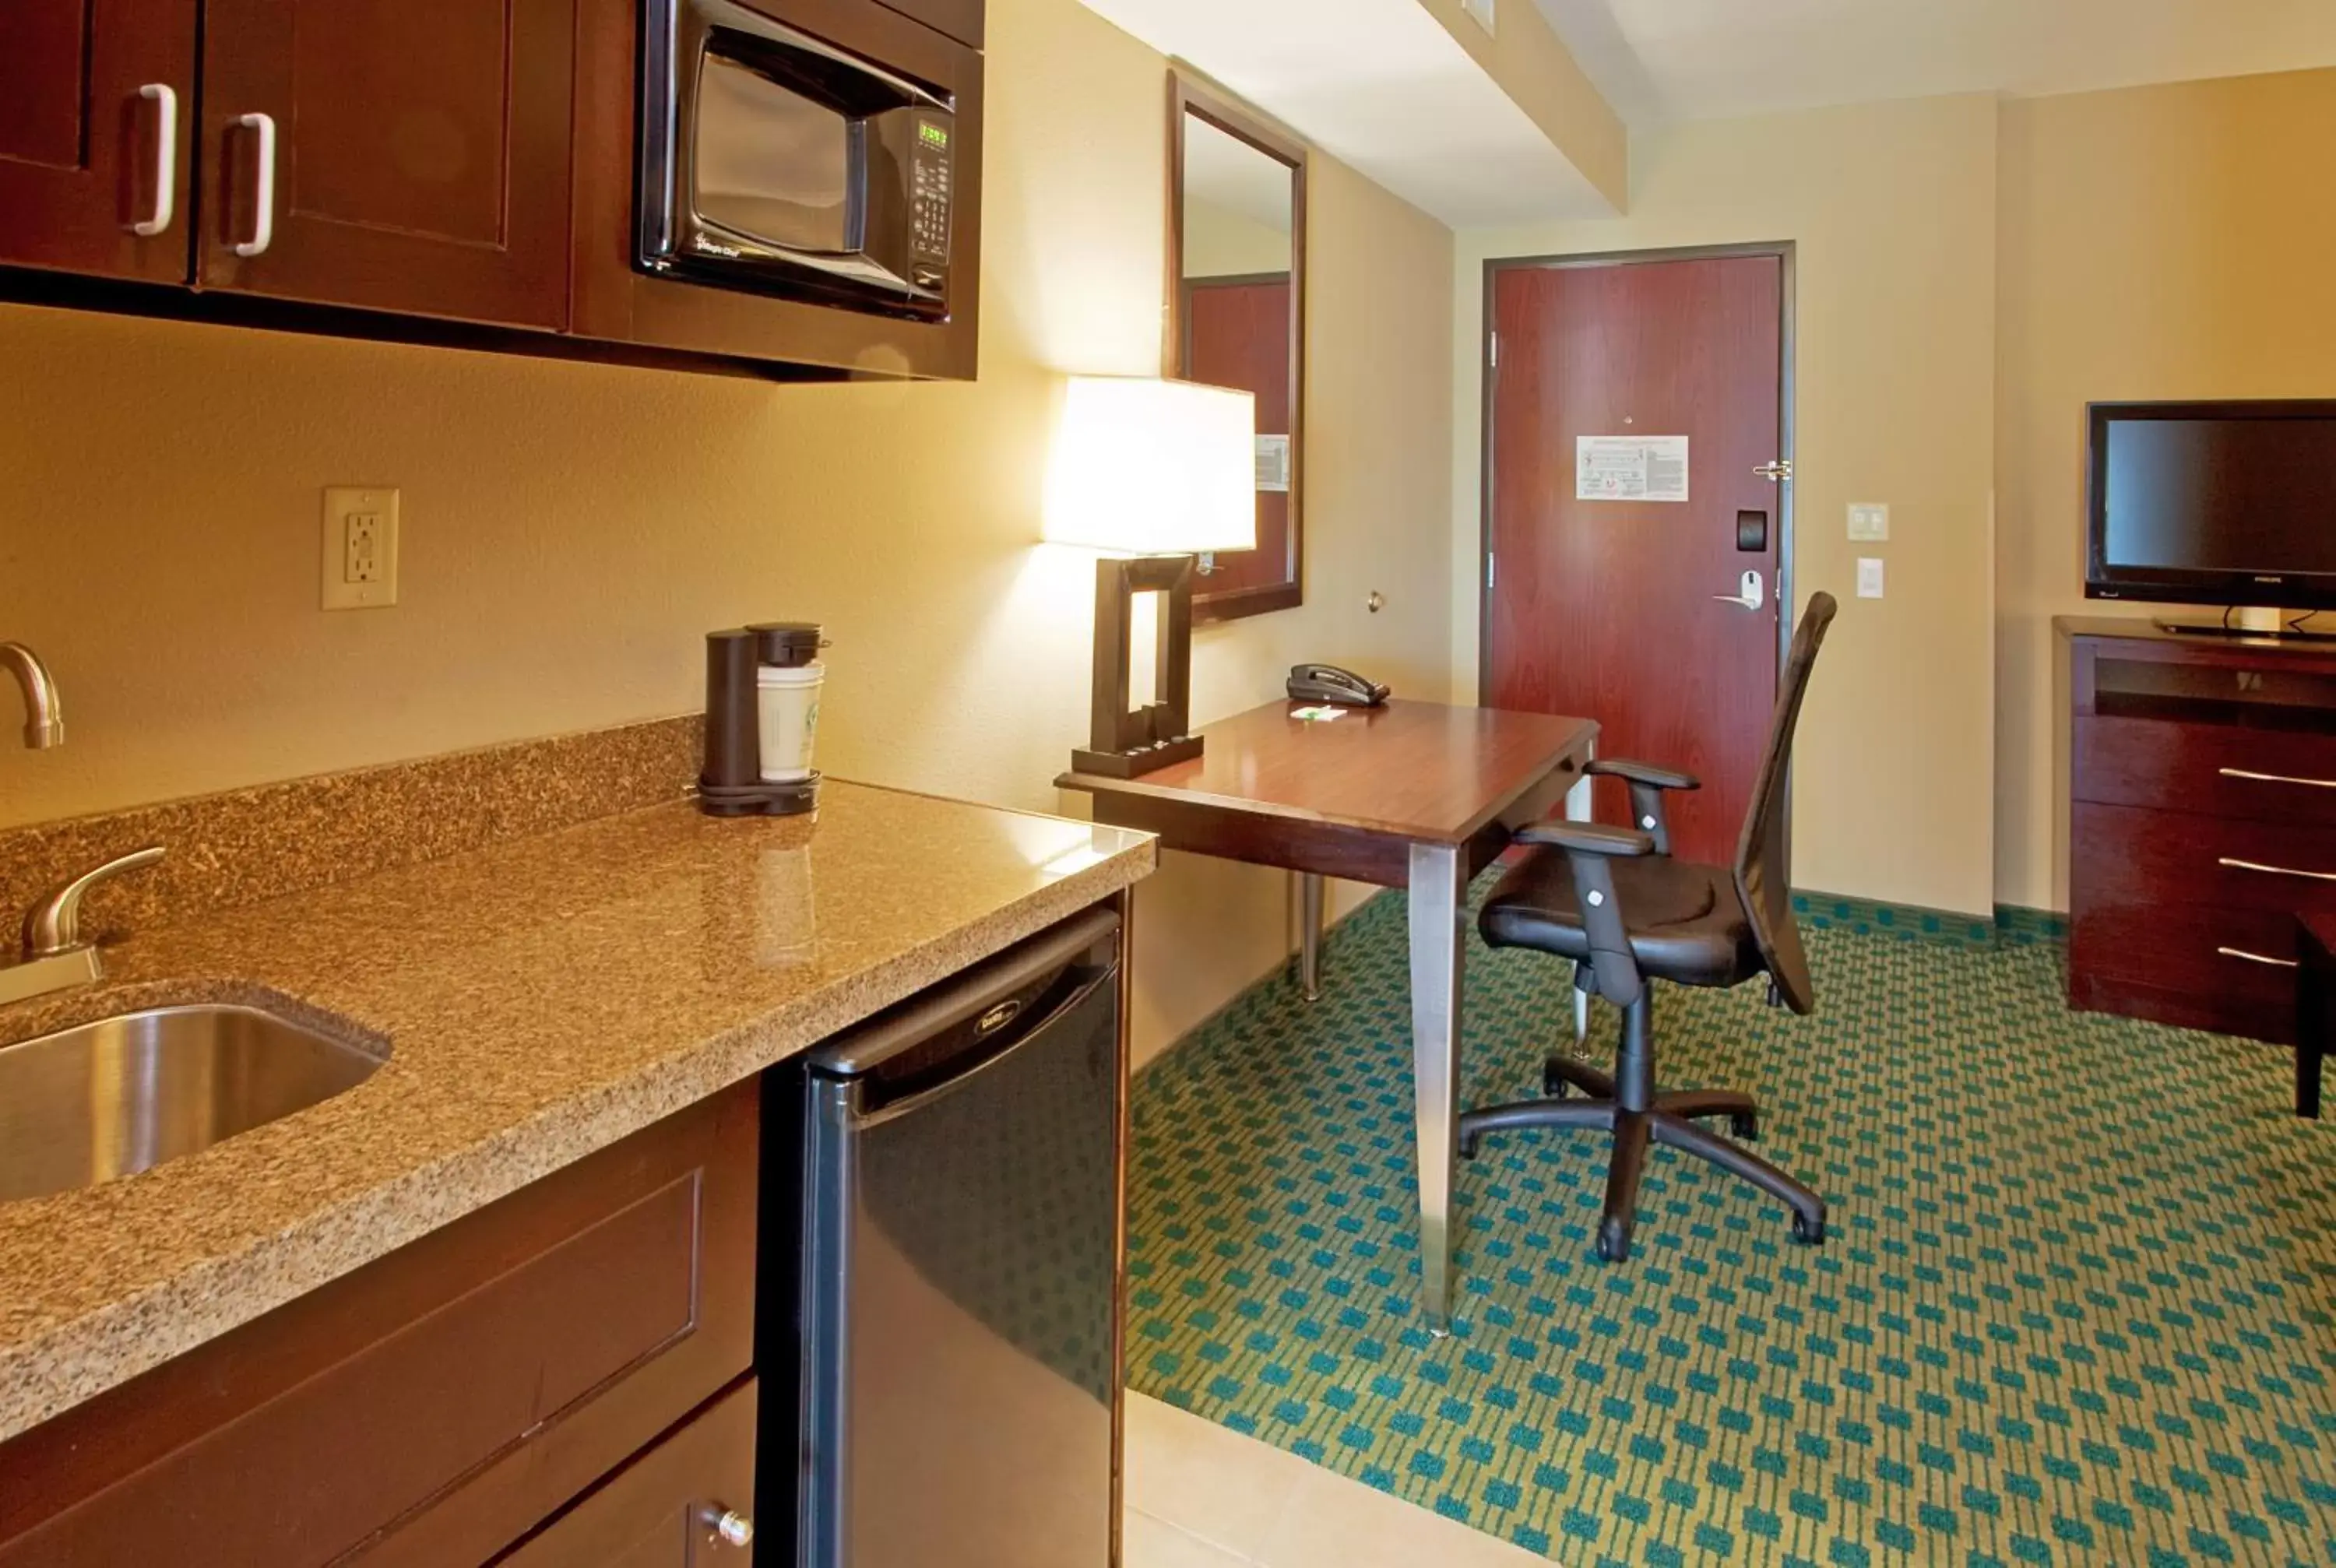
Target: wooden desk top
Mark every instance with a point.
(1421, 771)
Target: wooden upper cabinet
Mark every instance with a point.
(412, 158)
(96, 99)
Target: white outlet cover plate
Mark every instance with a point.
(1869, 577)
(341, 502)
(1869, 519)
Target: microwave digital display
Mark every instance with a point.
(779, 163)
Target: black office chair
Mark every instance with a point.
(1615, 901)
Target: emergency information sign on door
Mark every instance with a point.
(1630, 468)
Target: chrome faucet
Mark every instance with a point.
(45, 721)
(55, 954)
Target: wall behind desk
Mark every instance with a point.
(571, 530)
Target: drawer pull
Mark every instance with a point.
(727, 1526)
(2318, 783)
(2227, 863)
(2256, 957)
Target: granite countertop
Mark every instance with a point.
(539, 1000)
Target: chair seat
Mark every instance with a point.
(1685, 922)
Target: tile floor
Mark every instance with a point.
(1201, 1496)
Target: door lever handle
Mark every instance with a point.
(1750, 593)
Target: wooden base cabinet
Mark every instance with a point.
(437, 1405)
(2203, 821)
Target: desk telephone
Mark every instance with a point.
(1329, 683)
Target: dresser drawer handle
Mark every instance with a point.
(2318, 783)
(2256, 957)
(2227, 863)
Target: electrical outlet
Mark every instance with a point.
(1869, 577)
(1869, 519)
(360, 548)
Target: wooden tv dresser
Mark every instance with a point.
(2202, 821)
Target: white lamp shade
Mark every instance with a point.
(1153, 467)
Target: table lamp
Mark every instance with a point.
(1152, 472)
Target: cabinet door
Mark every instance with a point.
(390, 156)
(681, 1504)
(95, 99)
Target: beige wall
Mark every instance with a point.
(1891, 209)
(2159, 242)
(571, 530)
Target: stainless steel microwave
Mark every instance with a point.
(777, 158)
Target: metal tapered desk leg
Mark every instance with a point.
(1578, 809)
(1436, 965)
(1310, 936)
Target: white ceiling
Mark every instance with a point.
(1657, 59)
(1382, 87)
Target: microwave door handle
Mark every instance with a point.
(858, 270)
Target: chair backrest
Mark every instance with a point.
(1763, 876)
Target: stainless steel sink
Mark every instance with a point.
(123, 1095)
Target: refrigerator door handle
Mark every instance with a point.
(974, 1065)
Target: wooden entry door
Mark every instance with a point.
(1623, 608)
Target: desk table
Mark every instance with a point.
(1417, 795)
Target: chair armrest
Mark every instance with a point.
(1644, 773)
(1647, 783)
(1590, 849)
(1586, 838)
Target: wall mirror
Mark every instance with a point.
(1237, 317)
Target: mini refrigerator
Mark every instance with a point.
(935, 1340)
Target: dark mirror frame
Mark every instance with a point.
(1187, 98)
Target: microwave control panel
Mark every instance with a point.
(928, 193)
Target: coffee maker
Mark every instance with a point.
(734, 783)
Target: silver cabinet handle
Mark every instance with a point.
(2318, 783)
(165, 98)
(2227, 863)
(729, 1526)
(263, 190)
(2256, 957)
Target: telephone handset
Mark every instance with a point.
(1329, 683)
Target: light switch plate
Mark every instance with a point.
(1869, 577)
(1869, 519)
(359, 566)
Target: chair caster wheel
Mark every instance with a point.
(1807, 1231)
(1613, 1241)
(1745, 1127)
(1467, 1148)
(1554, 1085)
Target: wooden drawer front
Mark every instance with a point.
(2218, 953)
(2122, 855)
(2208, 770)
(435, 1405)
(660, 1511)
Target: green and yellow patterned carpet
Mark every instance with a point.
(2075, 1307)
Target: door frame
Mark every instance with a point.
(1783, 250)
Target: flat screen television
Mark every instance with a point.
(2221, 504)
